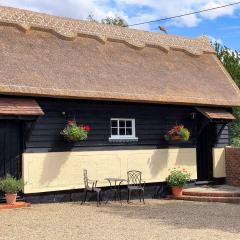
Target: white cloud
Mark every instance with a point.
(69, 8)
(188, 21)
(218, 12)
(133, 11)
(217, 40)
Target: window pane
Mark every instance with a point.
(114, 131)
(122, 131)
(128, 123)
(114, 123)
(122, 123)
(128, 131)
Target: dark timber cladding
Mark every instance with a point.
(152, 122)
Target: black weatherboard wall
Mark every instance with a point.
(152, 122)
(223, 139)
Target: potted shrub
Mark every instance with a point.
(11, 186)
(74, 132)
(177, 133)
(176, 180)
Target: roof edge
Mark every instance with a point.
(113, 96)
(69, 29)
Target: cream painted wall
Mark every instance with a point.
(219, 162)
(56, 171)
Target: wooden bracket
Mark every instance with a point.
(221, 129)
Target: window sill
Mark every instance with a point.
(131, 139)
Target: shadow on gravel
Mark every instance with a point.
(178, 214)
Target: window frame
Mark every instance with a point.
(123, 137)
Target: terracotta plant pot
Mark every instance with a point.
(11, 198)
(177, 191)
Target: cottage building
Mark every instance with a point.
(129, 86)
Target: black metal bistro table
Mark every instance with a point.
(115, 190)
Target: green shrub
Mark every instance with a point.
(10, 184)
(178, 178)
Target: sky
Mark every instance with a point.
(222, 25)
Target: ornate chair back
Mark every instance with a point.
(134, 178)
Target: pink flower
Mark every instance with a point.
(71, 122)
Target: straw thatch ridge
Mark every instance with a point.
(70, 29)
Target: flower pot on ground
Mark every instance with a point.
(178, 133)
(11, 198)
(177, 191)
(74, 132)
(177, 179)
(11, 186)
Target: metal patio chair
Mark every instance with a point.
(135, 183)
(90, 186)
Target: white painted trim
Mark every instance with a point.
(124, 137)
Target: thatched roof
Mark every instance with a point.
(43, 55)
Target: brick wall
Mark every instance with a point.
(232, 158)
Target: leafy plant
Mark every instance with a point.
(117, 21)
(177, 131)
(73, 132)
(184, 132)
(178, 178)
(231, 61)
(10, 184)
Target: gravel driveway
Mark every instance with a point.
(158, 219)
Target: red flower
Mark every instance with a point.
(177, 128)
(87, 128)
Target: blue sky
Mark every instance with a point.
(222, 25)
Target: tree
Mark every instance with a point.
(91, 18)
(117, 21)
(231, 61)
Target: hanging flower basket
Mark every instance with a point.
(177, 134)
(75, 133)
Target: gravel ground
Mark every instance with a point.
(158, 219)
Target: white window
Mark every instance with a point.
(123, 128)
